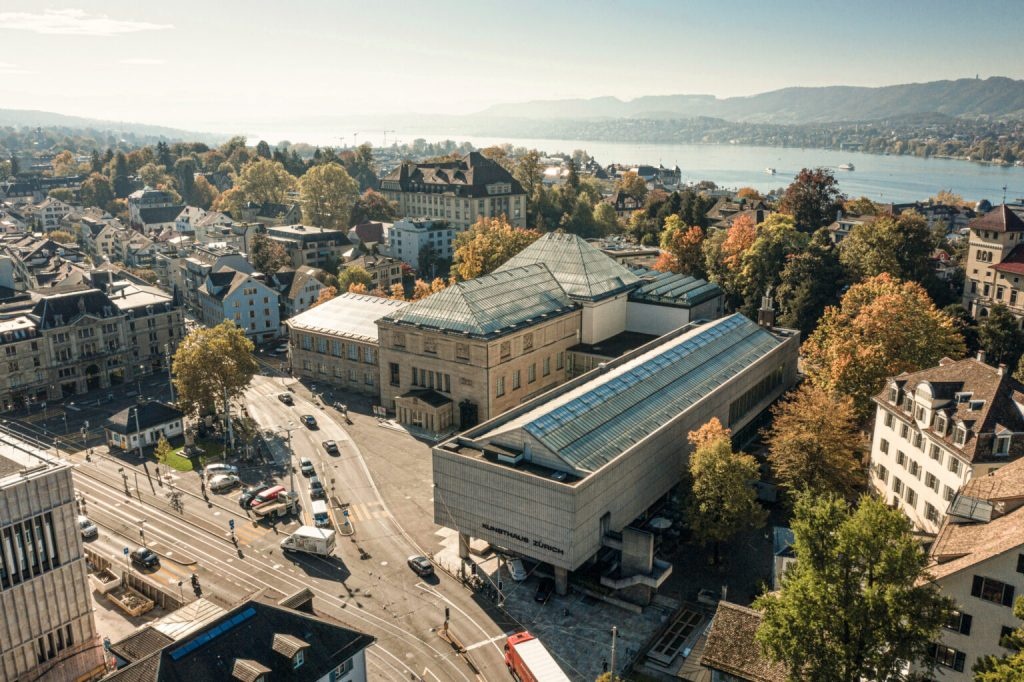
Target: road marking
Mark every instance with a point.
(485, 642)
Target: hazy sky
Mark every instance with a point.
(216, 64)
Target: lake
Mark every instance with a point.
(880, 178)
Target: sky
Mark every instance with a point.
(213, 65)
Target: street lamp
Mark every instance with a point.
(142, 531)
(291, 469)
(170, 379)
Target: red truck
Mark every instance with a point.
(529, 661)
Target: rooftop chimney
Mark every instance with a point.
(981, 355)
(1002, 368)
(766, 315)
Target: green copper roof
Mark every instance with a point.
(490, 305)
(581, 268)
(672, 289)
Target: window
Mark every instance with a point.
(369, 356)
(500, 387)
(889, 419)
(947, 656)
(911, 497)
(959, 622)
(515, 380)
(343, 669)
(884, 446)
(936, 454)
(505, 350)
(1002, 445)
(353, 351)
(961, 435)
(901, 459)
(917, 440)
(931, 513)
(947, 493)
(904, 430)
(919, 415)
(915, 469)
(1020, 563)
(462, 351)
(1004, 633)
(547, 366)
(931, 481)
(991, 590)
(527, 341)
(897, 485)
(299, 658)
(881, 473)
(560, 360)
(531, 373)
(894, 395)
(394, 374)
(954, 465)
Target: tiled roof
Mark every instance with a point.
(54, 310)
(490, 305)
(732, 649)
(159, 214)
(996, 402)
(1013, 263)
(469, 176)
(579, 267)
(140, 644)
(670, 288)
(999, 219)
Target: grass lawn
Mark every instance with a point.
(179, 462)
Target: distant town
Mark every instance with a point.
(437, 412)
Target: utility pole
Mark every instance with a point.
(615, 633)
(138, 431)
(227, 418)
(170, 380)
(291, 469)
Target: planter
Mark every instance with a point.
(103, 581)
(131, 601)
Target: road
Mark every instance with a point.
(366, 585)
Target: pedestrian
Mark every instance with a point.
(604, 665)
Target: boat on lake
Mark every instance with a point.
(769, 170)
(846, 166)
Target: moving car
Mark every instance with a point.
(306, 467)
(316, 489)
(223, 482)
(145, 557)
(331, 447)
(544, 590)
(421, 565)
(87, 527)
(309, 421)
(286, 398)
(249, 494)
(321, 515)
(212, 470)
(311, 540)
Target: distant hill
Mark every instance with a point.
(995, 97)
(47, 119)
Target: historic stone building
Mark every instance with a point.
(995, 263)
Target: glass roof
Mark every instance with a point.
(581, 268)
(670, 286)
(489, 305)
(593, 428)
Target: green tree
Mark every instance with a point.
(528, 172)
(185, 178)
(1000, 335)
(813, 198)
(64, 164)
(211, 366)
(810, 282)
(354, 274)
(761, 266)
(965, 325)
(881, 328)
(14, 168)
(97, 191)
(373, 206)
(632, 184)
(263, 149)
(65, 194)
(267, 255)
(902, 246)
(813, 443)
(163, 450)
(327, 193)
(722, 500)
(487, 245)
(1019, 374)
(1009, 668)
(606, 219)
(263, 181)
(857, 603)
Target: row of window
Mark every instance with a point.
(52, 643)
(369, 378)
(27, 549)
(531, 374)
(986, 290)
(339, 349)
(755, 395)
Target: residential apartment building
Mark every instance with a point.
(298, 289)
(412, 238)
(48, 214)
(315, 246)
(995, 263)
(978, 562)
(192, 271)
(47, 631)
(459, 192)
(242, 298)
(385, 272)
(939, 428)
(336, 342)
(147, 199)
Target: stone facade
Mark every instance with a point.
(995, 263)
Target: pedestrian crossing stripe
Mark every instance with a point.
(364, 512)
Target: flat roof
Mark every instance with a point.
(352, 316)
(20, 460)
(590, 424)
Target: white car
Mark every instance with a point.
(223, 482)
(213, 470)
(517, 570)
(87, 528)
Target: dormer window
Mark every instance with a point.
(1001, 445)
(940, 424)
(961, 435)
(894, 394)
(299, 658)
(908, 404)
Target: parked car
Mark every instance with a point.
(223, 482)
(421, 565)
(306, 467)
(282, 349)
(87, 527)
(517, 570)
(309, 420)
(286, 398)
(265, 496)
(145, 557)
(218, 469)
(316, 489)
(544, 590)
(250, 493)
(331, 447)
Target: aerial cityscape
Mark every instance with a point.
(476, 342)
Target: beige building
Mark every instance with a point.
(336, 342)
(995, 263)
(459, 192)
(937, 429)
(571, 472)
(978, 563)
(47, 631)
(476, 348)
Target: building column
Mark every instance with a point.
(561, 581)
(463, 546)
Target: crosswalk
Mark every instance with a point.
(365, 512)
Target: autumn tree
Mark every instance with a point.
(901, 246)
(748, 194)
(857, 603)
(810, 282)
(860, 206)
(813, 443)
(62, 237)
(632, 184)
(999, 333)
(267, 256)
(881, 328)
(211, 366)
(373, 206)
(327, 193)
(722, 501)
(813, 198)
(352, 275)
(97, 191)
(682, 248)
(263, 180)
(723, 252)
(163, 449)
(203, 193)
(325, 295)
(64, 164)
(487, 245)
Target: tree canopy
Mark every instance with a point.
(327, 193)
(682, 248)
(856, 604)
(999, 333)
(881, 328)
(267, 255)
(212, 365)
(813, 198)
(263, 180)
(487, 245)
(901, 246)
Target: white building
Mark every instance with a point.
(409, 237)
(937, 429)
(48, 214)
(142, 425)
(242, 298)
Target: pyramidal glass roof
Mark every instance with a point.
(489, 305)
(591, 425)
(581, 268)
